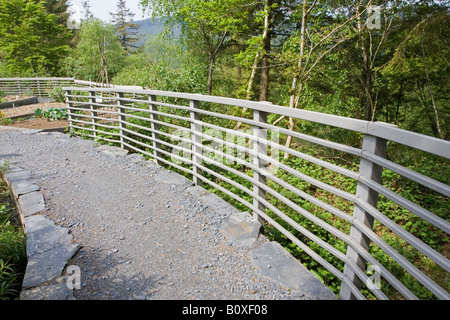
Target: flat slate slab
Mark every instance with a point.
(172, 178)
(111, 150)
(49, 247)
(31, 203)
(241, 230)
(57, 291)
(275, 262)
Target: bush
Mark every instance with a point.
(58, 94)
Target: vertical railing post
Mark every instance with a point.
(196, 129)
(69, 109)
(122, 118)
(39, 88)
(155, 128)
(376, 146)
(93, 112)
(259, 148)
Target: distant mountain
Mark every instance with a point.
(149, 28)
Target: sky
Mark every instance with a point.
(102, 8)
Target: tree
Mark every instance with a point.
(86, 4)
(98, 54)
(208, 26)
(32, 40)
(417, 73)
(124, 27)
(58, 8)
(321, 32)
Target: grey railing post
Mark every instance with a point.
(196, 129)
(39, 88)
(376, 146)
(93, 112)
(69, 109)
(155, 128)
(122, 119)
(259, 148)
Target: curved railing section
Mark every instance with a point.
(199, 135)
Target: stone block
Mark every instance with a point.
(31, 203)
(49, 247)
(273, 261)
(50, 292)
(241, 229)
(172, 178)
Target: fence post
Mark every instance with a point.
(39, 88)
(69, 109)
(93, 112)
(376, 146)
(122, 119)
(155, 128)
(196, 129)
(258, 176)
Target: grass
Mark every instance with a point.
(12, 245)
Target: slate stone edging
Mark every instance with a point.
(49, 246)
(269, 258)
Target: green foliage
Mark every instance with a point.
(58, 94)
(163, 64)
(85, 60)
(12, 246)
(31, 40)
(53, 114)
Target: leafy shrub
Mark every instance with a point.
(53, 114)
(58, 94)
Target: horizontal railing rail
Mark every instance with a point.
(195, 134)
(42, 87)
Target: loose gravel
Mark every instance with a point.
(141, 238)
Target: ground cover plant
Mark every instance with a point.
(12, 245)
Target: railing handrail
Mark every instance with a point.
(383, 130)
(38, 78)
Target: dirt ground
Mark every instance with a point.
(39, 123)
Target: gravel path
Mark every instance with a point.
(140, 237)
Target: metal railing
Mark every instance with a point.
(194, 134)
(42, 87)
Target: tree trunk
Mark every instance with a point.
(430, 91)
(210, 74)
(265, 64)
(367, 72)
(264, 94)
(293, 101)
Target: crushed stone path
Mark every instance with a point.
(141, 238)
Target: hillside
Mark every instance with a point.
(149, 28)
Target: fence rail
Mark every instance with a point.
(194, 133)
(42, 87)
